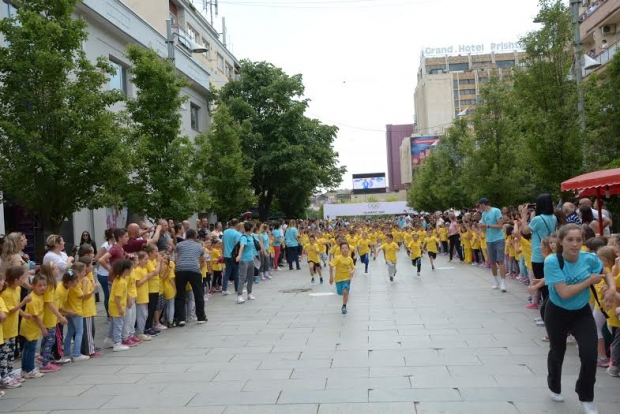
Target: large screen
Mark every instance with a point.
(369, 183)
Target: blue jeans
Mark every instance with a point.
(74, 327)
(116, 330)
(232, 267)
(30, 347)
(103, 282)
(364, 259)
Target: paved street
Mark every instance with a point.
(442, 343)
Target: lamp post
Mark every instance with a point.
(192, 46)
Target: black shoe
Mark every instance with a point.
(312, 281)
(321, 280)
(391, 278)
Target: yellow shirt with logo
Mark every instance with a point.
(415, 249)
(89, 308)
(11, 299)
(140, 273)
(74, 299)
(390, 250)
(119, 290)
(215, 265)
(169, 283)
(343, 266)
(62, 293)
(313, 251)
(50, 296)
(29, 328)
(154, 281)
(3, 309)
(431, 244)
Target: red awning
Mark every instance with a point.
(606, 181)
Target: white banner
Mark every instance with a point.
(331, 211)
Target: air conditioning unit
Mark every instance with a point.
(608, 29)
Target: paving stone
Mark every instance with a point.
(467, 408)
(62, 403)
(322, 396)
(367, 408)
(420, 394)
(288, 384)
(272, 409)
(235, 398)
(150, 399)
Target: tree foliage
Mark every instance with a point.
(162, 183)
(226, 173)
(61, 148)
(291, 153)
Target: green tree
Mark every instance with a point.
(61, 148)
(292, 154)
(226, 175)
(546, 99)
(163, 183)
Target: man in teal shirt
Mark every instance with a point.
(493, 223)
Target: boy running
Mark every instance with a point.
(431, 245)
(389, 253)
(415, 252)
(344, 273)
(313, 250)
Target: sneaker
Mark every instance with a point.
(321, 280)
(153, 332)
(108, 343)
(225, 293)
(181, 323)
(80, 358)
(312, 280)
(256, 280)
(589, 407)
(134, 340)
(570, 339)
(10, 383)
(202, 321)
(251, 297)
(540, 322)
(602, 362)
(268, 276)
(16, 377)
(474, 264)
(613, 371)
(144, 337)
(495, 286)
(263, 277)
(63, 361)
(433, 267)
(531, 306)
(240, 299)
(502, 285)
(344, 310)
(120, 348)
(391, 278)
(160, 327)
(128, 343)
(545, 338)
(50, 368)
(556, 397)
(32, 374)
(418, 274)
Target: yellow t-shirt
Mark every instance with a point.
(50, 296)
(475, 241)
(613, 320)
(466, 240)
(526, 250)
(215, 255)
(483, 240)
(29, 328)
(154, 281)
(322, 246)
(335, 251)
(132, 289)
(443, 234)
(62, 293)
(6, 312)
(169, 283)
(11, 300)
(415, 249)
(89, 308)
(390, 250)
(343, 266)
(510, 246)
(313, 252)
(74, 299)
(363, 246)
(431, 244)
(398, 236)
(140, 273)
(119, 289)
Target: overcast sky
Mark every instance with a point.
(359, 58)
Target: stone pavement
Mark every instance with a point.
(442, 343)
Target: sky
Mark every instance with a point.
(359, 58)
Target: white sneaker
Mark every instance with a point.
(268, 276)
(240, 299)
(225, 293)
(502, 285)
(495, 286)
(570, 339)
(589, 408)
(81, 358)
(120, 348)
(161, 327)
(251, 297)
(556, 397)
(108, 343)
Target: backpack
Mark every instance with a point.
(561, 263)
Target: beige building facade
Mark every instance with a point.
(600, 30)
(450, 85)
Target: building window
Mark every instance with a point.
(454, 67)
(220, 62)
(468, 102)
(505, 63)
(207, 54)
(467, 81)
(194, 111)
(119, 79)
(193, 34)
(229, 71)
(8, 9)
(468, 91)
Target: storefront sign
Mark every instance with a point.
(478, 48)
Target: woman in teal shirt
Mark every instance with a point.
(569, 274)
(291, 238)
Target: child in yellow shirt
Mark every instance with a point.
(117, 306)
(345, 269)
(32, 327)
(73, 306)
(431, 245)
(217, 265)
(389, 253)
(415, 252)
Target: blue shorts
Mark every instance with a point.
(341, 286)
(496, 251)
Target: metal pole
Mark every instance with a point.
(579, 77)
(170, 39)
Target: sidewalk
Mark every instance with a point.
(442, 343)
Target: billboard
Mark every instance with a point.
(421, 148)
(369, 183)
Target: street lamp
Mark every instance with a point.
(191, 45)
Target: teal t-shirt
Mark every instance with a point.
(541, 226)
(277, 238)
(249, 251)
(289, 237)
(490, 218)
(572, 274)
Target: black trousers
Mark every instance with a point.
(580, 323)
(539, 273)
(153, 298)
(417, 262)
(455, 242)
(195, 281)
(292, 255)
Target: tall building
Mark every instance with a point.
(600, 30)
(450, 85)
(395, 134)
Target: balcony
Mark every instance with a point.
(604, 57)
(607, 12)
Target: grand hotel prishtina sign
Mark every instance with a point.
(475, 48)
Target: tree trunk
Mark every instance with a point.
(264, 203)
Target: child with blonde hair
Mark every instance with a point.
(51, 316)
(73, 305)
(32, 328)
(117, 305)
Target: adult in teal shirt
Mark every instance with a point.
(245, 258)
(230, 237)
(569, 275)
(492, 221)
(291, 238)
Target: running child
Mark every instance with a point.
(431, 246)
(364, 246)
(313, 251)
(389, 254)
(345, 269)
(415, 252)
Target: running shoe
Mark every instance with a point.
(50, 368)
